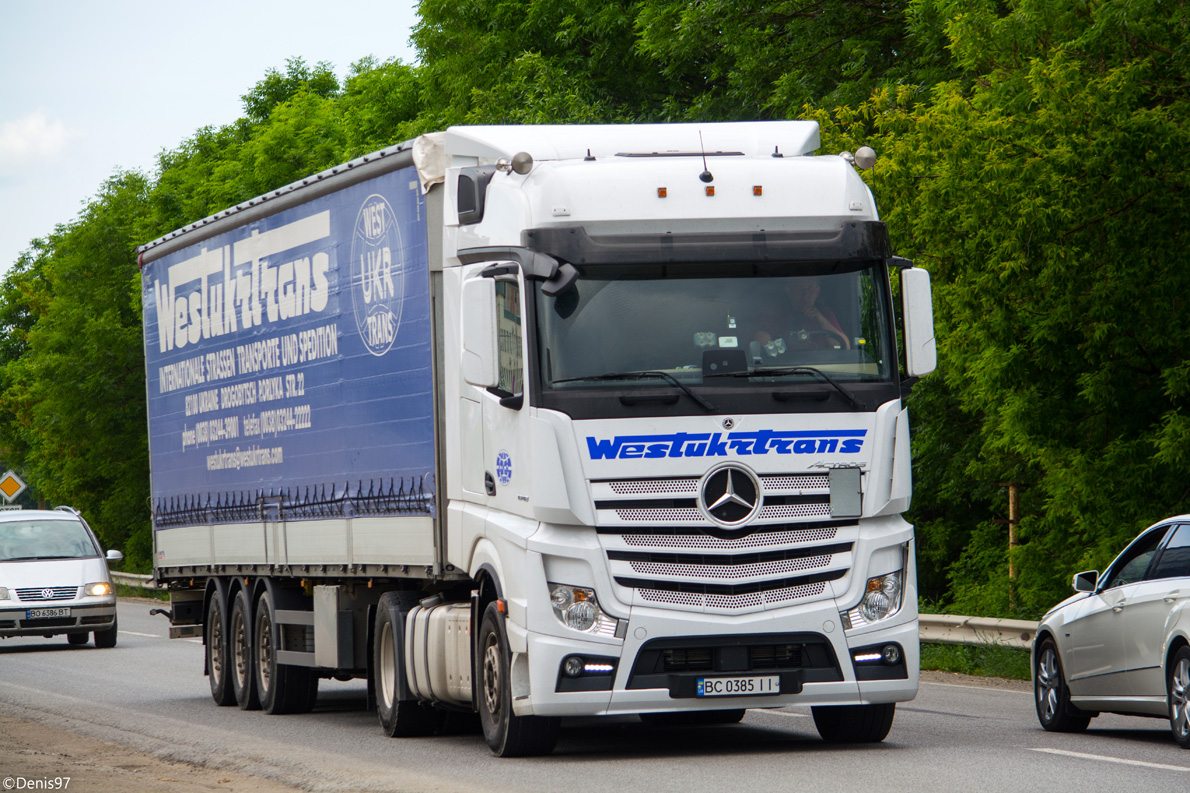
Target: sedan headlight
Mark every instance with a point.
(881, 600)
(97, 589)
(577, 608)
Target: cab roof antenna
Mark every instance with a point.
(706, 175)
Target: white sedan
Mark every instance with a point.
(1121, 644)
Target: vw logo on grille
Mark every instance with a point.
(48, 594)
(729, 495)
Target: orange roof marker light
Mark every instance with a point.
(662, 192)
(757, 189)
(710, 190)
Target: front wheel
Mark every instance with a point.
(1051, 696)
(507, 734)
(854, 723)
(78, 638)
(107, 638)
(1179, 697)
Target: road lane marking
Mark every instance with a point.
(782, 713)
(974, 688)
(1107, 759)
(150, 635)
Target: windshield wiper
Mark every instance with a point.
(710, 408)
(781, 371)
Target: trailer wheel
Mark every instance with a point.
(241, 652)
(400, 718)
(281, 688)
(507, 734)
(218, 651)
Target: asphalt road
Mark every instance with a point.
(149, 694)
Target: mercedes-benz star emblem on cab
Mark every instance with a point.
(729, 495)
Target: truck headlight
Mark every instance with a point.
(577, 608)
(881, 600)
(96, 589)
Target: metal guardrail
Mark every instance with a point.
(934, 628)
(954, 629)
(131, 579)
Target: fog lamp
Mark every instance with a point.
(573, 666)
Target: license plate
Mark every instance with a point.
(738, 686)
(46, 614)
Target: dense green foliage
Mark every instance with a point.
(1032, 158)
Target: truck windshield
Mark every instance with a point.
(727, 326)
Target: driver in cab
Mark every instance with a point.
(801, 322)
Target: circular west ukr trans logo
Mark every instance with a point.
(377, 274)
(504, 467)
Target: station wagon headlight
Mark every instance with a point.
(577, 608)
(98, 589)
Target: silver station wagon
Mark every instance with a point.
(1122, 643)
(54, 578)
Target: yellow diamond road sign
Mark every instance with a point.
(11, 486)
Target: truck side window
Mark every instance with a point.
(508, 336)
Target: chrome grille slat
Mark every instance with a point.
(731, 572)
(773, 539)
(37, 593)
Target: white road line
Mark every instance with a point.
(782, 713)
(976, 688)
(150, 635)
(1120, 760)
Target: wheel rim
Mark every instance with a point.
(239, 646)
(491, 674)
(1049, 685)
(215, 649)
(264, 650)
(1179, 689)
(388, 666)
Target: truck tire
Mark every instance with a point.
(107, 638)
(240, 639)
(399, 717)
(854, 723)
(507, 734)
(218, 651)
(281, 688)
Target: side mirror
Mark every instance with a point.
(479, 332)
(115, 556)
(1085, 581)
(921, 350)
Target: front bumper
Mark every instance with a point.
(824, 674)
(91, 614)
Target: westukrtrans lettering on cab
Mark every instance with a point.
(716, 444)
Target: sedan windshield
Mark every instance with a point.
(45, 539)
(720, 324)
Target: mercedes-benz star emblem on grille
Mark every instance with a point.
(730, 495)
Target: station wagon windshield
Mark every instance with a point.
(45, 539)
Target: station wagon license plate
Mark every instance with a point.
(46, 614)
(738, 686)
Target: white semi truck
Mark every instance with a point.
(538, 422)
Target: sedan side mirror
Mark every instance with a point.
(1085, 581)
(115, 556)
